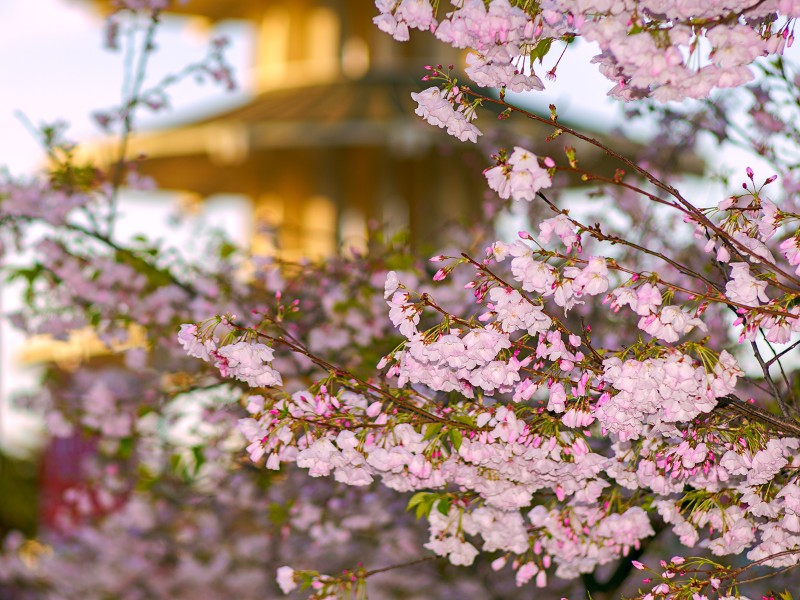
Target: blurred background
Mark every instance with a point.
(317, 141)
(317, 144)
(315, 147)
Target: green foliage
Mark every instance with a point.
(541, 49)
(19, 508)
(425, 502)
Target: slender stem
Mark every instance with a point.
(401, 565)
(612, 264)
(131, 102)
(688, 207)
(483, 268)
(341, 373)
(780, 424)
(755, 563)
(783, 352)
(598, 234)
(768, 378)
(790, 405)
(768, 575)
(619, 183)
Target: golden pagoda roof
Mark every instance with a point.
(220, 10)
(81, 345)
(370, 112)
(340, 113)
(375, 111)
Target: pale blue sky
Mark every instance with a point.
(53, 66)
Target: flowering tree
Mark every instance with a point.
(620, 374)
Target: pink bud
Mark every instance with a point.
(541, 579)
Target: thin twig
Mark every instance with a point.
(768, 378)
(785, 351)
(341, 373)
(782, 425)
(130, 104)
(790, 405)
(401, 565)
(697, 214)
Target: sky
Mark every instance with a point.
(53, 67)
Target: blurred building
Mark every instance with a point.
(329, 140)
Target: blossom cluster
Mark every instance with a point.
(665, 50)
(446, 110)
(549, 406)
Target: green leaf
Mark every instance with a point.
(226, 249)
(175, 462)
(307, 578)
(199, 457)
(541, 49)
(278, 513)
(431, 431)
(443, 506)
(29, 275)
(467, 420)
(416, 499)
(456, 438)
(125, 448)
(424, 508)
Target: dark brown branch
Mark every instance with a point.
(782, 426)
